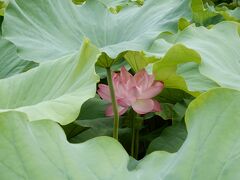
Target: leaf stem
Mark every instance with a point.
(133, 140)
(136, 142)
(114, 103)
(135, 134)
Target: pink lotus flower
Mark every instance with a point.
(132, 91)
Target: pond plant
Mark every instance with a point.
(119, 89)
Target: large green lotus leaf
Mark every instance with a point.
(216, 50)
(211, 150)
(48, 29)
(219, 49)
(55, 90)
(10, 63)
(39, 150)
(194, 79)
